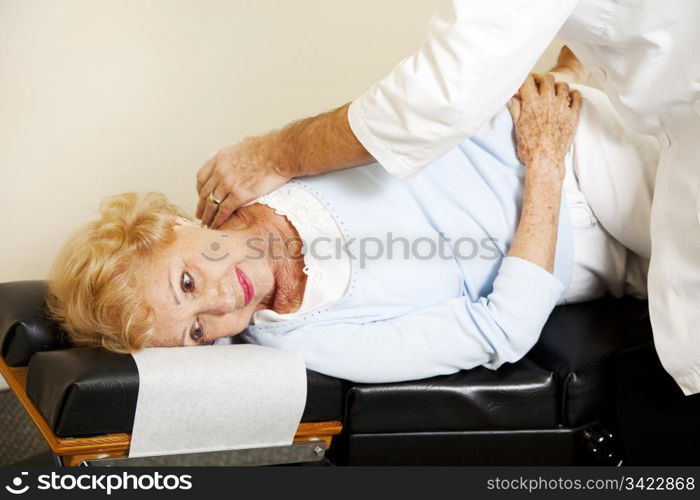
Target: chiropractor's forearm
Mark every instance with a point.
(316, 145)
(536, 237)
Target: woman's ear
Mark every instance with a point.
(181, 221)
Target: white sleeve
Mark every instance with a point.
(442, 339)
(476, 56)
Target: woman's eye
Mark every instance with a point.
(196, 332)
(186, 282)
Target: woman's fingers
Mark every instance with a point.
(545, 117)
(539, 85)
(546, 85)
(514, 108)
(576, 101)
(574, 106)
(528, 89)
(561, 89)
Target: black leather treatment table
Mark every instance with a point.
(591, 391)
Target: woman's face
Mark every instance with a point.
(204, 286)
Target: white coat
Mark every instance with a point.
(645, 53)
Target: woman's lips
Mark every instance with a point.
(246, 286)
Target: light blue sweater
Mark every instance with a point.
(410, 318)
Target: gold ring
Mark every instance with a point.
(214, 200)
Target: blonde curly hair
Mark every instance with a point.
(92, 291)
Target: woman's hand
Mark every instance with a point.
(545, 114)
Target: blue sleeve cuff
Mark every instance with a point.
(531, 274)
(523, 297)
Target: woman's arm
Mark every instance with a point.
(545, 115)
(458, 334)
(536, 237)
(545, 127)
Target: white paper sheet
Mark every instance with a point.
(216, 397)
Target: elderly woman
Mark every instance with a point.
(396, 279)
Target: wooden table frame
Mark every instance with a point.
(73, 451)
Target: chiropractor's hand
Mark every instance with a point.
(546, 115)
(234, 176)
(257, 165)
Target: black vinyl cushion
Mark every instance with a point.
(576, 344)
(85, 391)
(24, 325)
(561, 381)
(517, 396)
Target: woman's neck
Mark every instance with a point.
(283, 251)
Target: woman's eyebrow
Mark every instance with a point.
(184, 336)
(172, 288)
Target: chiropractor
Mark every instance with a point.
(646, 55)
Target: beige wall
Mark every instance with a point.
(100, 97)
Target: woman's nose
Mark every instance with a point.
(222, 300)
